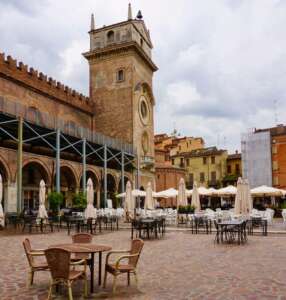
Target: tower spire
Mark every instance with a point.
(129, 12)
(92, 23)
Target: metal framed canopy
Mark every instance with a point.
(26, 136)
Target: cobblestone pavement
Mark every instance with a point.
(180, 266)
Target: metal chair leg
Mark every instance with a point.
(70, 291)
(128, 278)
(114, 284)
(31, 277)
(136, 278)
(50, 291)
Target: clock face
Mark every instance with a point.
(144, 110)
(145, 142)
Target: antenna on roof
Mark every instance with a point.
(174, 132)
(92, 22)
(275, 112)
(129, 12)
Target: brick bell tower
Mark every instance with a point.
(121, 72)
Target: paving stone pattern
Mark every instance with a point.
(180, 266)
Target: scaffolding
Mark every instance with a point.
(54, 134)
(256, 158)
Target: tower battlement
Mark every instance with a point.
(29, 77)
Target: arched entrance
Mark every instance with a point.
(120, 183)
(111, 190)
(68, 185)
(120, 201)
(5, 180)
(33, 173)
(92, 175)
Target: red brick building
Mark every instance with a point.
(167, 175)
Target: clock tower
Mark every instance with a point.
(121, 72)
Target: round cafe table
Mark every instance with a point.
(87, 249)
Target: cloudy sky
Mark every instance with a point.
(222, 64)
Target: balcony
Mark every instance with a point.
(147, 161)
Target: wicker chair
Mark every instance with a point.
(120, 267)
(84, 238)
(59, 261)
(34, 265)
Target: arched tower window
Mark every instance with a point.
(110, 36)
(120, 75)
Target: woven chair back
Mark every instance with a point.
(59, 262)
(136, 248)
(28, 249)
(82, 238)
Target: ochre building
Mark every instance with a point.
(205, 166)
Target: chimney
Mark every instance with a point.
(92, 23)
(129, 12)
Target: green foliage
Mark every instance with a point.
(79, 200)
(283, 205)
(55, 200)
(115, 202)
(188, 209)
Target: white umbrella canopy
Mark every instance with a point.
(149, 203)
(90, 212)
(203, 191)
(227, 191)
(212, 191)
(135, 193)
(266, 191)
(169, 193)
(182, 197)
(2, 219)
(42, 213)
(196, 198)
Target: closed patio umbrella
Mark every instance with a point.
(42, 213)
(149, 203)
(196, 198)
(90, 212)
(129, 200)
(249, 203)
(182, 197)
(238, 204)
(2, 219)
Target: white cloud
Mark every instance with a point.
(221, 63)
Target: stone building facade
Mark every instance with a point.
(120, 106)
(233, 169)
(206, 166)
(121, 73)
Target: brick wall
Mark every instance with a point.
(279, 161)
(38, 82)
